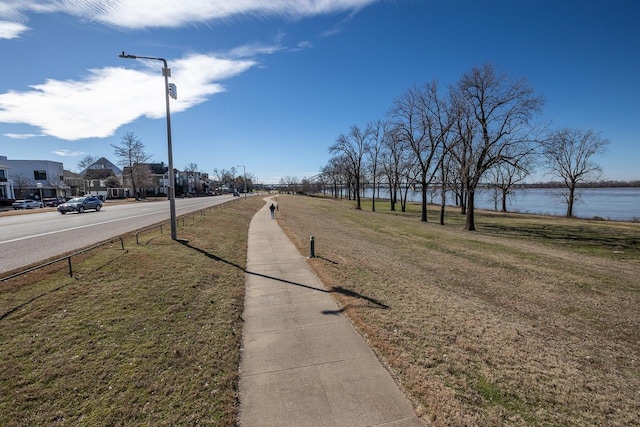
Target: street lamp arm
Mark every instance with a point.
(123, 55)
(127, 56)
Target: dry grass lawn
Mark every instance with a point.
(530, 320)
(146, 336)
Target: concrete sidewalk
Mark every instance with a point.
(303, 363)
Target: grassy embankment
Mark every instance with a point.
(145, 336)
(528, 321)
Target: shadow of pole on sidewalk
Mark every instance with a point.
(334, 289)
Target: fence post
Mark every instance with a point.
(312, 250)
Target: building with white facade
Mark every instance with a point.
(31, 179)
(6, 185)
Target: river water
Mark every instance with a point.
(620, 204)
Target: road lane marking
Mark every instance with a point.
(77, 228)
(106, 222)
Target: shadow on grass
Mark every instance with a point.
(51, 291)
(334, 289)
(24, 304)
(326, 259)
(579, 235)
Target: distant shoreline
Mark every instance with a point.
(599, 184)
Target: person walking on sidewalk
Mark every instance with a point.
(272, 208)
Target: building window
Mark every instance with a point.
(40, 175)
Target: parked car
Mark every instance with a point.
(26, 204)
(53, 202)
(80, 204)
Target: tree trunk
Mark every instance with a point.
(403, 200)
(570, 201)
(391, 197)
(133, 184)
(443, 201)
(470, 223)
(504, 200)
(373, 196)
(424, 198)
(463, 201)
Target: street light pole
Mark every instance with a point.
(245, 179)
(166, 72)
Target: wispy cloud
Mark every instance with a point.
(172, 13)
(96, 105)
(331, 32)
(67, 153)
(253, 49)
(305, 45)
(340, 26)
(22, 135)
(11, 30)
(108, 98)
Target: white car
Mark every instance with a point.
(26, 204)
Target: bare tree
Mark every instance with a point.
(86, 161)
(439, 117)
(335, 172)
(112, 182)
(447, 178)
(22, 185)
(418, 116)
(494, 121)
(569, 156)
(354, 147)
(504, 178)
(376, 131)
(393, 157)
(194, 184)
(250, 181)
(142, 176)
(406, 118)
(223, 178)
(191, 167)
(290, 183)
(131, 154)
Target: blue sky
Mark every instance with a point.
(271, 84)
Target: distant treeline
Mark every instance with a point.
(598, 184)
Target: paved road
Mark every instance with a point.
(29, 238)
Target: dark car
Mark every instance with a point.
(80, 204)
(53, 202)
(26, 204)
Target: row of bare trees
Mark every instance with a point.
(232, 180)
(485, 129)
(132, 156)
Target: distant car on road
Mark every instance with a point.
(80, 204)
(26, 204)
(53, 202)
